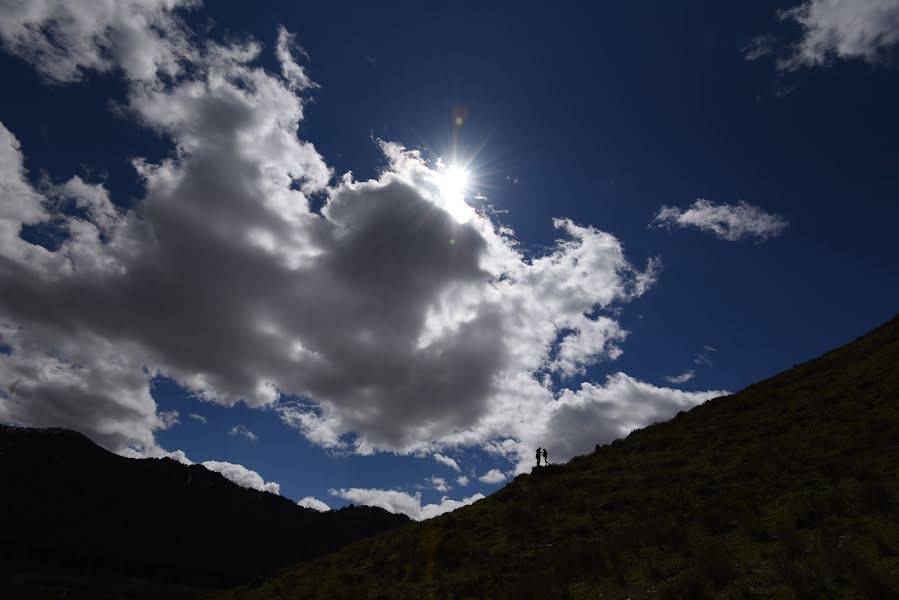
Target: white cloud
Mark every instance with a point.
(314, 503)
(65, 39)
(242, 476)
(241, 430)
(682, 378)
(320, 430)
(842, 29)
(439, 484)
(197, 417)
(462, 480)
(400, 502)
(397, 312)
(594, 338)
(236, 473)
(492, 476)
(293, 73)
(433, 340)
(156, 452)
(446, 460)
(597, 414)
(729, 222)
(169, 418)
(88, 384)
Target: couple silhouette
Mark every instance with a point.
(541, 453)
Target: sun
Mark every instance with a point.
(453, 182)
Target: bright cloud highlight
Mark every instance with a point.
(314, 504)
(400, 502)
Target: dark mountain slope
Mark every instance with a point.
(787, 489)
(71, 509)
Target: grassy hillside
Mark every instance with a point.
(787, 489)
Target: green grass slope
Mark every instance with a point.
(787, 489)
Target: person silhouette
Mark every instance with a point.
(539, 455)
(545, 460)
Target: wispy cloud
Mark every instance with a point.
(731, 222)
(293, 73)
(704, 356)
(446, 460)
(197, 417)
(682, 378)
(760, 47)
(242, 431)
(832, 30)
(843, 29)
(169, 418)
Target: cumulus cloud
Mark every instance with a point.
(594, 414)
(87, 384)
(492, 476)
(682, 378)
(448, 350)
(439, 484)
(64, 39)
(400, 502)
(395, 318)
(446, 460)
(314, 503)
(241, 430)
(51, 358)
(462, 480)
(242, 476)
(594, 338)
(729, 222)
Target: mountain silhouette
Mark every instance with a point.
(79, 521)
(787, 489)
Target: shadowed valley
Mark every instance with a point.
(81, 522)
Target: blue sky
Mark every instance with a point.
(783, 122)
